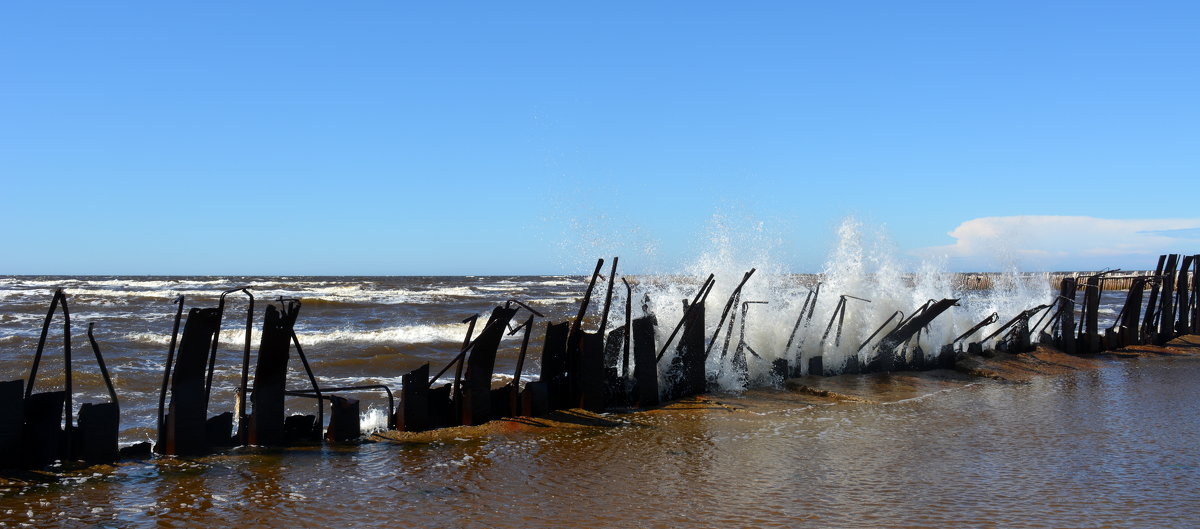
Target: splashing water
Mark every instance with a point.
(373, 420)
(853, 268)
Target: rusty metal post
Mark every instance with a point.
(884, 358)
(243, 388)
(739, 362)
(612, 281)
(995, 317)
(162, 395)
(805, 318)
(705, 288)
(99, 423)
(48, 431)
(839, 315)
(68, 423)
(574, 337)
(591, 378)
(816, 363)
(733, 300)
(456, 392)
(37, 355)
(514, 394)
(897, 314)
(628, 341)
(212, 358)
(312, 380)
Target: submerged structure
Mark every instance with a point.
(585, 362)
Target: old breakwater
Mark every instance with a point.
(591, 361)
(1113, 279)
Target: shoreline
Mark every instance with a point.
(855, 389)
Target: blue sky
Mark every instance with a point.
(499, 138)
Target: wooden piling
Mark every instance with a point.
(1195, 304)
(480, 364)
(1067, 336)
(264, 426)
(1131, 314)
(413, 415)
(1183, 301)
(1149, 331)
(12, 422)
(1091, 307)
(555, 366)
(184, 425)
(645, 364)
(1166, 318)
(97, 433)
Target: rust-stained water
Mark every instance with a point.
(1113, 447)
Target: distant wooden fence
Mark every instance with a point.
(987, 281)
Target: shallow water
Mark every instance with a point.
(1113, 447)
(372, 330)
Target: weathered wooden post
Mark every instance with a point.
(265, 424)
(413, 415)
(645, 365)
(344, 419)
(1091, 308)
(477, 387)
(689, 355)
(1067, 292)
(575, 341)
(592, 377)
(1194, 325)
(12, 422)
(186, 428)
(1131, 314)
(1183, 302)
(39, 428)
(1149, 330)
(1166, 316)
(681, 373)
(555, 373)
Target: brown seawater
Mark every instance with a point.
(1112, 447)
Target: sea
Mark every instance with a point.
(1113, 447)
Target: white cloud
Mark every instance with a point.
(1052, 242)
